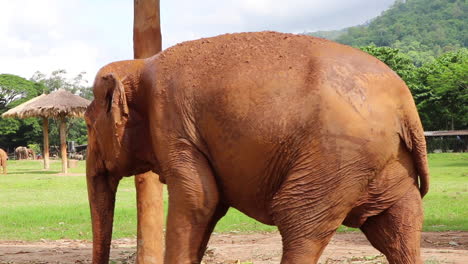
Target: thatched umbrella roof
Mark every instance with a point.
(57, 104)
(14, 112)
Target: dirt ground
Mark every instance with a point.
(443, 247)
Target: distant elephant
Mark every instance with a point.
(21, 153)
(76, 156)
(3, 160)
(31, 154)
(294, 131)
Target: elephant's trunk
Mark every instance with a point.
(101, 194)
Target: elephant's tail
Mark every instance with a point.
(412, 134)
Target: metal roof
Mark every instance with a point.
(446, 133)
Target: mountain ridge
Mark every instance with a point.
(423, 29)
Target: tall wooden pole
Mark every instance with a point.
(150, 234)
(150, 210)
(63, 144)
(146, 28)
(45, 132)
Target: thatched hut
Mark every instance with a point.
(58, 105)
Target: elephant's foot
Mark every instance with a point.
(396, 232)
(303, 251)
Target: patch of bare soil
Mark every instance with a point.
(441, 247)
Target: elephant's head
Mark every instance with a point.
(118, 144)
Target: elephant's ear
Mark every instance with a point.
(117, 112)
(116, 101)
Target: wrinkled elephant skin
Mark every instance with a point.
(3, 160)
(294, 131)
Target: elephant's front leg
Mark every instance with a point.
(194, 206)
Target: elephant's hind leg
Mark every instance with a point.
(308, 213)
(304, 234)
(396, 232)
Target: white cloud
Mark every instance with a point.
(73, 56)
(35, 36)
(83, 35)
(209, 17)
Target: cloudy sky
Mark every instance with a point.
(84, 35)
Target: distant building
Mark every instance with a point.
(447, 141)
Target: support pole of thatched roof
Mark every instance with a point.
(45, 132)
(63, 143)
(150, 234)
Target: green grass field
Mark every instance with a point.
(37, 204)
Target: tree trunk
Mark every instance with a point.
(150, 234)
(45, 132)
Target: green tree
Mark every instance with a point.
(444, 99)
(58, 80)
(15, 90)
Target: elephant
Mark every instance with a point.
(76, 156)
(294, 131)
(21, 153)
(31, 154)
(3, 160)
(24, 153)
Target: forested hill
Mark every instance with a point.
(423, 29)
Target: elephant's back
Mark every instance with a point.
(263, 88)
(268, 85)
(231, 49)
(210, 59)
(307, 63)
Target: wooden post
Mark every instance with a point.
(150, 210)
(146, 28)
(45, 132)
(63, 143)
(150, 234)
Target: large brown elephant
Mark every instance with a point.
(3, 160)
(294, 131)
